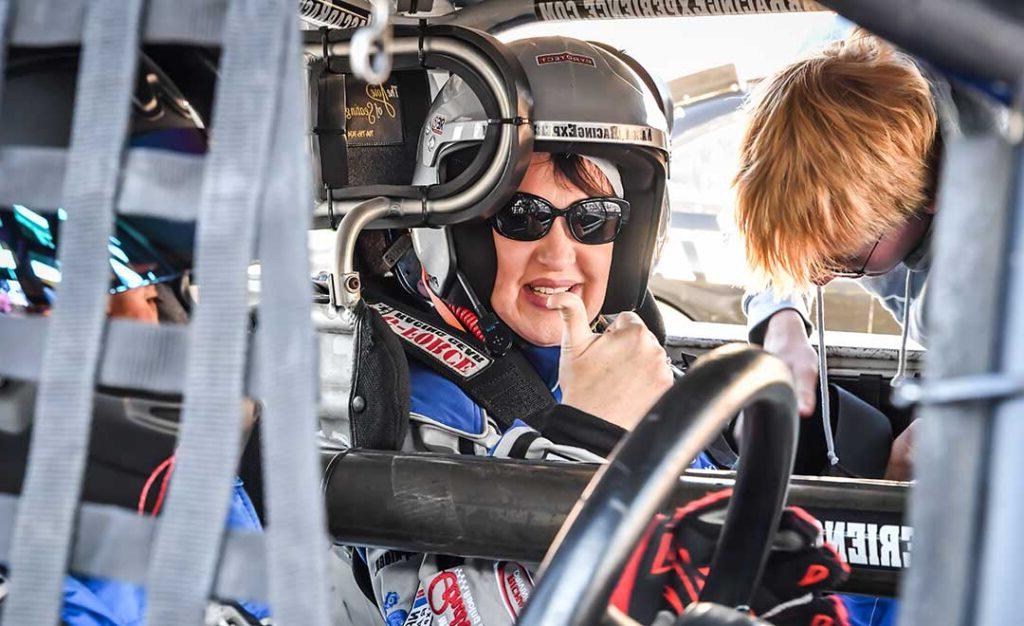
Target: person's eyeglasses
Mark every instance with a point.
(884, 254)
(862, 266)
(591, 221)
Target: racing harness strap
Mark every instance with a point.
(507, 388)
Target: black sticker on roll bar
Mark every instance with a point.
(333, 13)
(867, 539)
(547, 10)
(373, 114)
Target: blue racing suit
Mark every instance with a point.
(97, 602)
(423, 590)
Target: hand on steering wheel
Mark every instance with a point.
(668, 569)
(583, 566)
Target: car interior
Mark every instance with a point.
(286, 270)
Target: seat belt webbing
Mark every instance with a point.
(42, 533)
(190, 534)
(297, 544)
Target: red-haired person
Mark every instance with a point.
(837, 178)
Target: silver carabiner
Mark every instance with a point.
(371, 45)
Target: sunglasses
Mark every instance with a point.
(592, 221)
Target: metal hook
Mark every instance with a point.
(371, 45)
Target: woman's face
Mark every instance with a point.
(530, 271)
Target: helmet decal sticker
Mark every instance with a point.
(565, 57)
(599, 132)
(437, 124)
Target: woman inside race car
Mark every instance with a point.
(572, 248)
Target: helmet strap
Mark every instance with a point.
(439, 304)
(497, 336)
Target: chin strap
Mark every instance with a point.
(826, 409)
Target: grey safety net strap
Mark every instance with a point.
(42, 532)
(297, 546)
(139, 356)
(189, 538)
(60, 23)
(155, 183)
(115, 543)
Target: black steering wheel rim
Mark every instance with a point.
(582, 566)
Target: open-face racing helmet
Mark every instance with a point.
(588, 100)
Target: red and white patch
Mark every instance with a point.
(446, 349)
(515, 584)
(420, 614)
(451, 601)
(565, 57)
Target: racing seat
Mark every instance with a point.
(863, 438)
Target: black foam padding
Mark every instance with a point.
(379, 404)
(394, 164)
(329, 142)
(651, 315)
(122, 456)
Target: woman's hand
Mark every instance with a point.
(786, 338)
(617, 375)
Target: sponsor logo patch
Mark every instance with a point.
(420, 614)
(565, 57)
(373, 114)
(600, 132)
(515, 584)
(447, 350)
(451, 601)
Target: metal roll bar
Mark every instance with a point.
(511, 510)
(510, 105)
(583, 565)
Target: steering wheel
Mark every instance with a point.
(583, 564)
